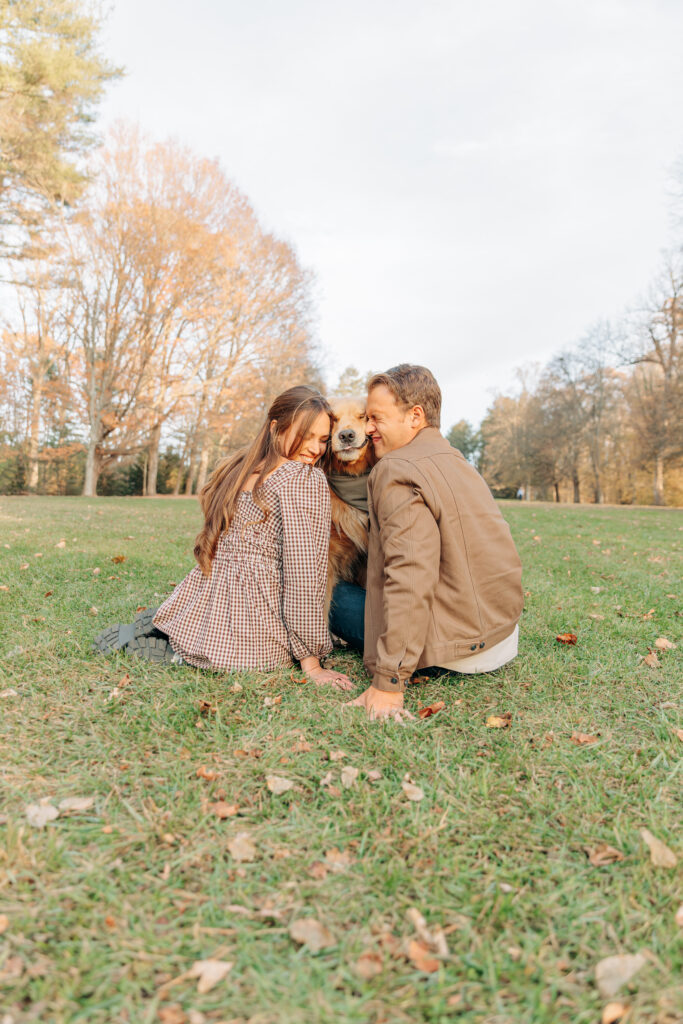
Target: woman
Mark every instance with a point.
(256, 598)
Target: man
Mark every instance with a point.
(444, 577)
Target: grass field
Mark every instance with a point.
(104, 911)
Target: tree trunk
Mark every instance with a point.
(203, 467)
(577, 490)
(179, 480)
(557, 491)
(659, 479)
(153, 460)
(34, 434)
(92, 470)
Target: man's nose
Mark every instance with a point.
(347, 436)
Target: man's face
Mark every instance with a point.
(390, 425)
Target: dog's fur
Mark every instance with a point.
(352, 457)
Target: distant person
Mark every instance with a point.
(255, 599)
(444, 577)
(520, 494)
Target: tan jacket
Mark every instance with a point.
(444, 576)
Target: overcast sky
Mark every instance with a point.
(473, 183)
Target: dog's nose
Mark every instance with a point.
(347, 436)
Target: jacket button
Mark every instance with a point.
(473, 647)
(482, 644)
(394, 679)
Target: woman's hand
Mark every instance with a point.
(325, 676)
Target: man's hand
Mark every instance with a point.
(380, 704)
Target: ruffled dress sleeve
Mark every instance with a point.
(305, 507)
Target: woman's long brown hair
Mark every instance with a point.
(219, 496)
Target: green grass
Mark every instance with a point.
(105, 907)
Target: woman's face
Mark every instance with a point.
(314, 443)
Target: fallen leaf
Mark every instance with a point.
(207, 773)
(374, 775)
(566, 638)
(241, 848)
(596, 590)
(24, 565)
(236, 687)
(93, 610)
(173, 1014)
(337, 755)
(613, 1013)
(326, 779)
(434, 939)
(338, 860)
(277, 784)
(3, 587)
(205, 707)
(270, 702)
(663, 644)
(660, 854)
(334, 791)
(76, 803)
(651, 660)
(421, 957)
(499, 721)
(679, 732)
(317, 870)
(349, 775)
(615, 971)
(8, 693)
(38, 554)
(601, 855)
(311, 933)
(679, 916)
(431, 709)
(39, 814)
(117, 559)
(223, 810)
(96, 572)
(581, 738)
(60, 544)
(598, 618)
(302, 746)
(412, 791)
(368, 965)
(209, 972)
(4, 923)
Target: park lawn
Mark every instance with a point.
(105, 908)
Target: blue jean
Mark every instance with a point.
(347, 614)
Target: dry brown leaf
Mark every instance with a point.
(117, 559)
(434, 939)
(4, 923)
(271, 702)
(600, 856)
(662, 644)
(94, 610)
(278, 785)
(337, 755)
(317, 870)
(223, 810)
(172, 1014)
(39, 814)
(24, 565)
(651, 660)
(368, 965)
(679, 916)
(614, 1013)
(241, 848)
(582, 738)
(499, 721)
(422, 957)
(311, 933)
(660, 854)
(209, 972)
(11, 692)
(374, 775)
(76, 803)
(412, 791)
(431, 709)
(679, 733)
(326, 780)
(349, 774)
(3, 587)
(615, 971)
(338, 860)
(301, 746)
(207, 773)
(566, 638)
(334, 791)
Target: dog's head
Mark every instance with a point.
(350, 448)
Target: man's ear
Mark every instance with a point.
(417, 416)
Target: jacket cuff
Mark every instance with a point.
(390, 684)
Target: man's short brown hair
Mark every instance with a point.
(412, 385)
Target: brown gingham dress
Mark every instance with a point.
(263, 604)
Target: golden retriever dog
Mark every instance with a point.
(349, 460)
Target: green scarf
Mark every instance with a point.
(351, 489)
